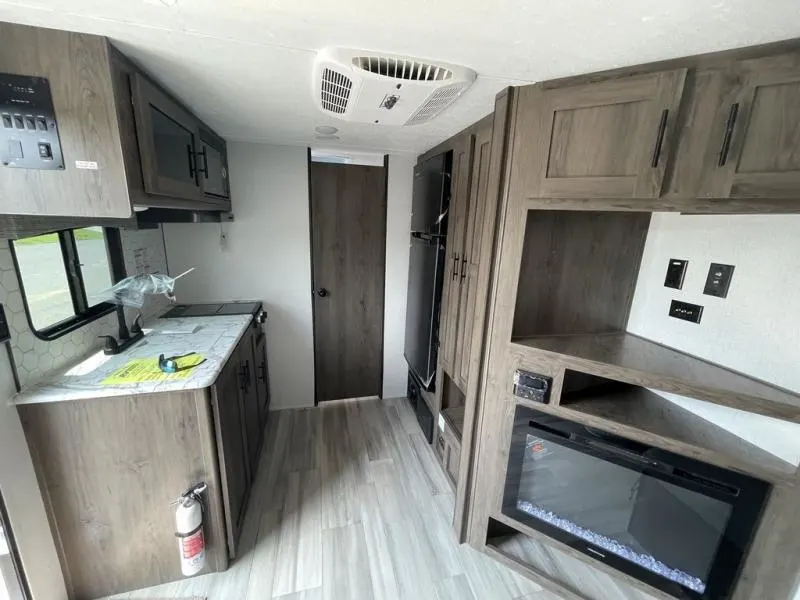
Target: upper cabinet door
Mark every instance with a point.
(755, 151)
(168, 143)
(213, 166)
(607, 139)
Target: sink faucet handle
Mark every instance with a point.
(111, 347)
(136, 326)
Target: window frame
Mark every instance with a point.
(84, 313)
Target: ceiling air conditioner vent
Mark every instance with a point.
(434, 105)
(402, 68)
(335, 91)
(366, 87)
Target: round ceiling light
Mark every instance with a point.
(326, 129)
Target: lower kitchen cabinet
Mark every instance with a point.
(109, 469)
(262, 376)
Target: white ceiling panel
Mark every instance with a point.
(245, 65)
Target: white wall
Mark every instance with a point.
(755, 330)
(267, 257)
(398, 225)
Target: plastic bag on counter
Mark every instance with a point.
(133, 291)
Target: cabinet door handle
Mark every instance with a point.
(204, 154)
(455, 266)
(243, 379)
(263, 368)
(726, 141)
(192, 165)
(662, 129)
(463, 267)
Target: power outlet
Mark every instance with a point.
(685, 311)
(718, 281)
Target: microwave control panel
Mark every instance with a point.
(28, 128)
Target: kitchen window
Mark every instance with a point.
(62, 276)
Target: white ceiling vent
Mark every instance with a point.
(335, 91)
(387, 90)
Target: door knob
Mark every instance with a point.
(322, 292)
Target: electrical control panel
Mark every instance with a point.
(532, 386)
(29, 136)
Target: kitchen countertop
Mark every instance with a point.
(214, 338)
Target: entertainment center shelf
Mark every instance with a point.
(628, 358)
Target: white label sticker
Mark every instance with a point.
(86, 164)
(441, 422)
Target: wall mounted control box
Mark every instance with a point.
(532, 386)
(28, 127)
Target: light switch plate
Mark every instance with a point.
(718, 281)
(676, 272)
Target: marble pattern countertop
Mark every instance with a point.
(213, 337)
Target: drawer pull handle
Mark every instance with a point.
(455, 266)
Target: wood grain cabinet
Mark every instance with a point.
(458, 213)
(606, 139)
(754, 143)
(231, 449)
(125, 141)
(262, 376)
(108, 469)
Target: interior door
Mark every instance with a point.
(472, 253)
(456, 234)
(608, 139)
(348, 256)
(756, 150)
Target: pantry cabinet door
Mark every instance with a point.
(607, 139)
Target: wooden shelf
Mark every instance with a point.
(636, 413)
(631, 359)
(455, 418)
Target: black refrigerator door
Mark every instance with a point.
(422, 307)
(430, 199)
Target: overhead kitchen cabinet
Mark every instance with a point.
(752, 146)
(182, 160)
(600, 139)
(86, 137)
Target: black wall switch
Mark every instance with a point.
(676, 271)
(688, 312)
(718, 280)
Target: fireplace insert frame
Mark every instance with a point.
(746, 495)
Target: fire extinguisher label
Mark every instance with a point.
(193, 544)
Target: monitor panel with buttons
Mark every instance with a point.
(29, 137)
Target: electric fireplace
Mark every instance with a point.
(675, 523)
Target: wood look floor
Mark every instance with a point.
(350, 503)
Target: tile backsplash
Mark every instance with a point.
(143, 251)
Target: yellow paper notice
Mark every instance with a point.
(140, 370)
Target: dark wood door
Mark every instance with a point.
(472, 253)
(348, 237)
(262, 377)
(607, 139)
(251, 417)
(754, 150)
(231, 448)
(456, 240)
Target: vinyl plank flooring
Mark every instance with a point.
(300, 550)
(349, 503)
(454, 588)
(345, 564)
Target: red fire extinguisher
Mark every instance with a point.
(189, 530)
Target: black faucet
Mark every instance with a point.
(126, 338)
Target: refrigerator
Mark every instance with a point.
(430, 202)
